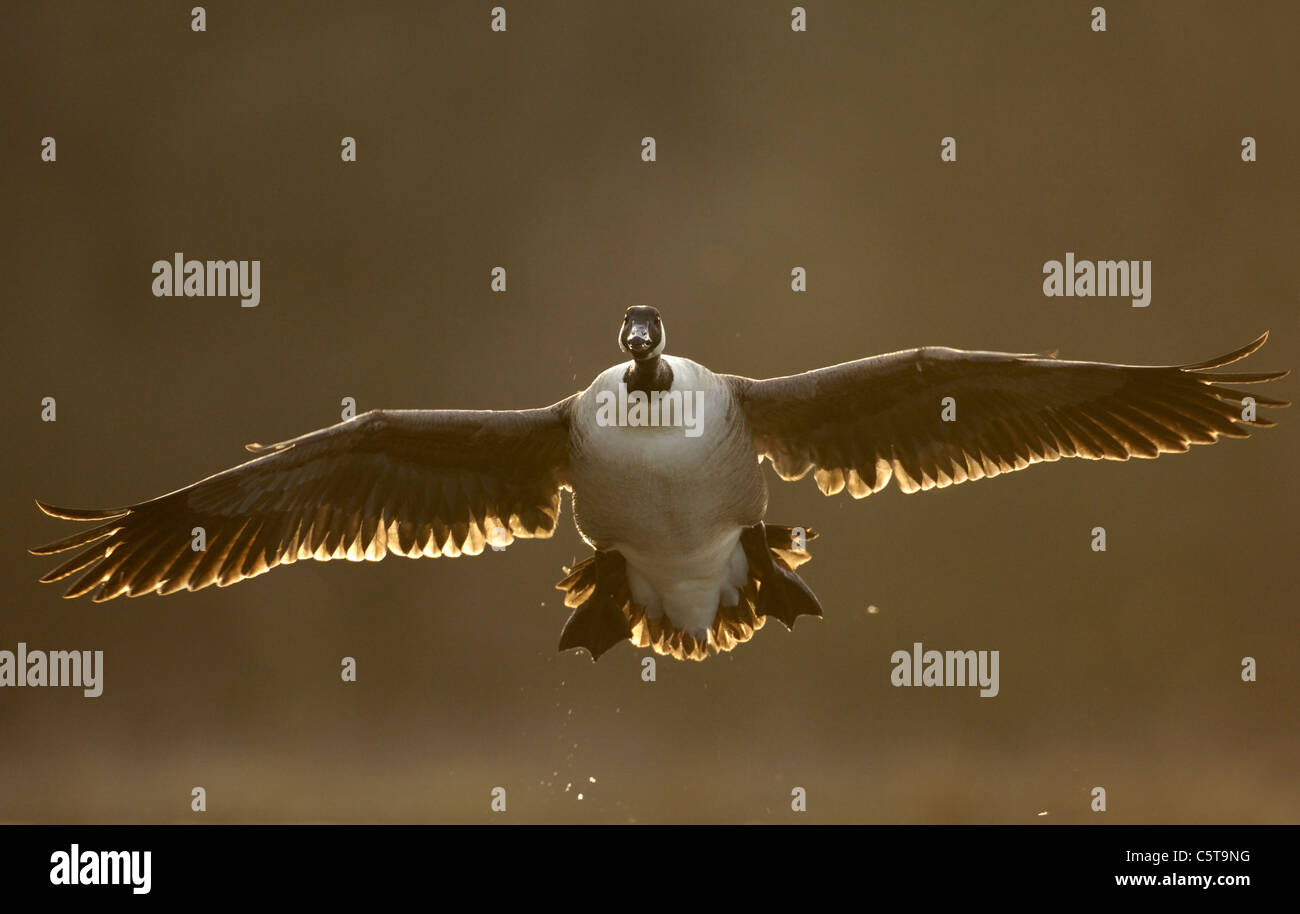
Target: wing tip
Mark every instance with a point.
(81, 513)
(1230, 357)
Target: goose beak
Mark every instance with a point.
(637, 340)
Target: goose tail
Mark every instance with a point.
(604, 612)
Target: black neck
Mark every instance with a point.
(650, 374)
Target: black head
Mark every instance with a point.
(642, 334)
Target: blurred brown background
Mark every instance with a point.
(775, 149)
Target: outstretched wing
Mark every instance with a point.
(409, 482)
(862, 423)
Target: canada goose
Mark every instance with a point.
(668, 490)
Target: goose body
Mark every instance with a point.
(671, 504)
(671, 499)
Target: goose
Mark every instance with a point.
(663, 460)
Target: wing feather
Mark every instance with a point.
(859, 424)
(407, 482)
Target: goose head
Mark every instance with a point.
(642, 334)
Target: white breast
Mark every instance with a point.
(671, 503)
